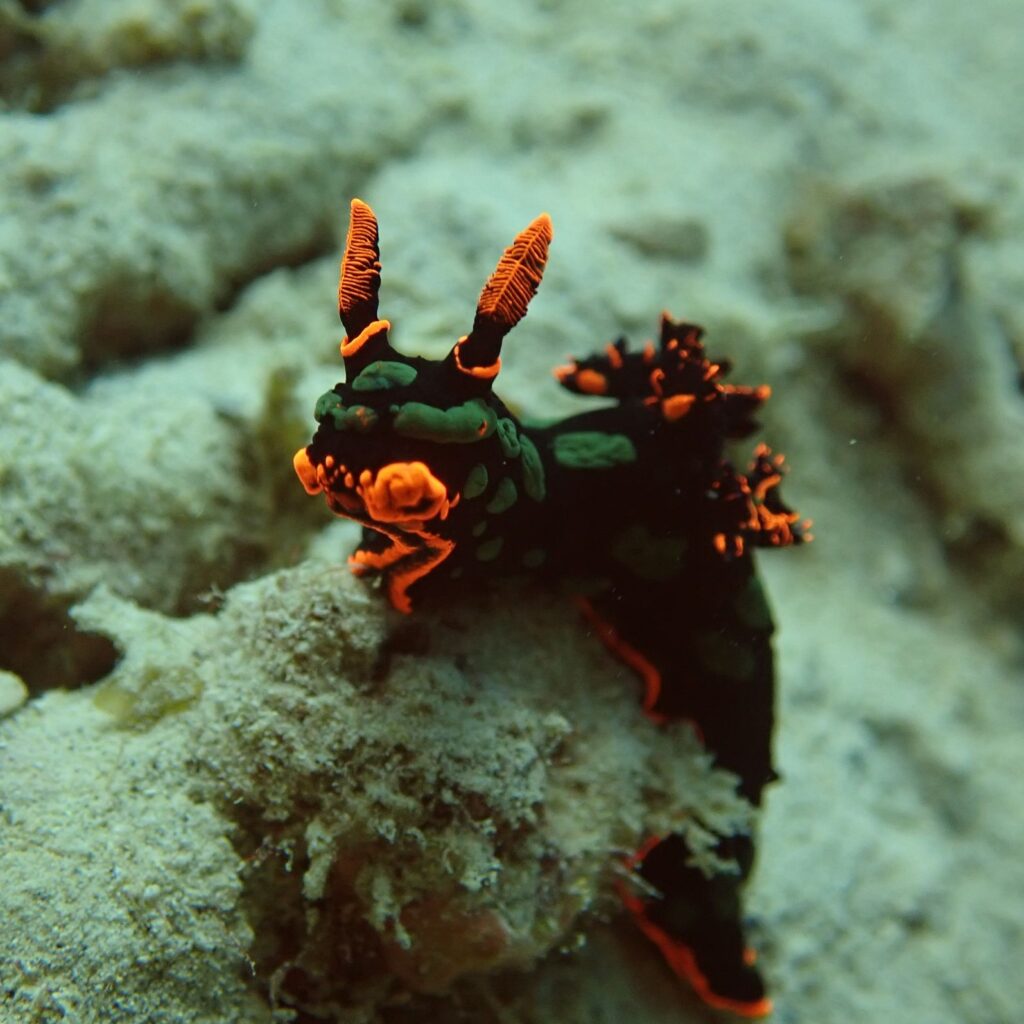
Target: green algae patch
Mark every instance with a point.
(508, 436)
(154, 693)
(476, 482)
(472, 421)
(533, 470)
(650, 557)
(490, 549)
(593, 449)
(325, 405)
(505, 496)
(384, 374)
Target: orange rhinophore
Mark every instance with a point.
(514, 282)
(359, 280)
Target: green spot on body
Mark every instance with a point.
(490, 549)
(534, 557)
(480, 528)
(505, 496)
(360, 418)
(725, 656)
(533, 469)
(472, 421)
(650, 557)
(509, 438)
(381, 375)
(324, 404)
(752, 606)
(593, 449)
(476, 482)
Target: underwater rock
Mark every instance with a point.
(402, 809)
(931, 330)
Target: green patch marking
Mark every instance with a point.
(476, 482)
(533, 470)
(751, 605)
(480, 528)
(360, 418)
(461, 424)
(381, 375)
(325, 404)
(509, 438)
(725, 656)
(534, 558)
(490, 549)
(650, 557)
(505, 496)
(593, 449)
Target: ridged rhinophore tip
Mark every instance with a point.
(514, 282)
(359, 279)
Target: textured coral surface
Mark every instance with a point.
(216, 817)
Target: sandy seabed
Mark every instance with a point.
(215, 803)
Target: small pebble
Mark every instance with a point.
(13, 693)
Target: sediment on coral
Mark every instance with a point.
(50, 49)
(397, 821)
(921, 334)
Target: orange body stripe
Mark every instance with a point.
(629, 655)
(401, 581)
(679, 956)
(515, 279)
(614, 356)
(480, 372)
(351, 347)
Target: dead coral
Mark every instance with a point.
(405, 819)
(927, 330)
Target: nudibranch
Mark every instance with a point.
(637, 497)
